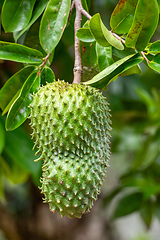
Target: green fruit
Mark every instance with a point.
(71, 125)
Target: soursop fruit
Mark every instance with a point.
(71, 126)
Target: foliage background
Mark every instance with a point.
(135, 161)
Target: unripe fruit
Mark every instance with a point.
(71, 125)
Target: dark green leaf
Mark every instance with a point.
(128, 204)
(13, 85)
(133, 70)
(89, 60)
(108, 74)
(144, 24)
(155, 63)
(19, 148)
(104, 56)
(47, 76)
(40, 6)
(102, 35)
(107, 199)
(17, 14)
(53, 23)
(18, 53)
(19, 110)
(146, 212)
(85, 35)
(122, 16)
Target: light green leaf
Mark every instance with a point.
(133, 70)
(122, 16)
(40, 6)
(19, 110)
(17, 14)
(53, 23)
(85, 35)
(144, 24)
(108, 74)
(155, 63)
(18, 53)
(102, 35)
(154, 48)
(13, 85)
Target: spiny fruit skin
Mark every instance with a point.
(71, 125)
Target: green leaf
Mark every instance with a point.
(104, 56)
(2, 138)
(155, 63)
(85, 35)
(53, 23)
(89, 60)
(13, 85)
(17, 14)
(122, 16)
(47, 76)
(133, 70)
(19, 148)
(18, 53)
(19, 110)
(144, 24)
(128, 204)
(108, 74)
(102, 35)
(40, 6)
(154, 48)
(146, 212)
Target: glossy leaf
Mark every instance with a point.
(47, 76)
(104, 56)
(155, 63)
(17, 14)
(154, 48)
(128, 204)
(13, 85)
(89, 60)
(19, 110)
(53, 23)
(85, 35)
(108, 74)
(144, 24)
(133, 70)
(102, 35)
(40, 6)
(122, 16)
(18, 53)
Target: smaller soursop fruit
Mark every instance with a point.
(71, 125)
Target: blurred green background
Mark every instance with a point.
(129, 205)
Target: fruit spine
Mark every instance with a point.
(71, 125)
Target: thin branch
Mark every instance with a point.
(71, 10)
(77, 24)
(44, 63)
(144, 56)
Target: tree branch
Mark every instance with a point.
(77, 24)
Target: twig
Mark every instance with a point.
(71, 10)
(44, 63)
(77, 24)
(144, 56)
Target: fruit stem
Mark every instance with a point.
(77, 24)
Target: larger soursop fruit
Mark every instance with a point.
(71, 125)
